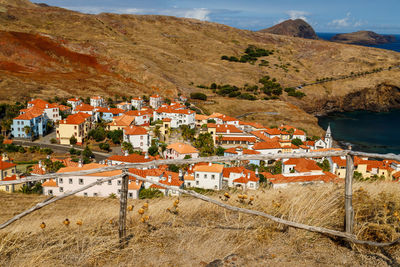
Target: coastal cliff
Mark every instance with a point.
(363, 38)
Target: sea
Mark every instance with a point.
(364, 130)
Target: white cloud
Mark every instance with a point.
(348, 21)
(198, 13)
(298, 14)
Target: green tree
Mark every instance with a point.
(297, 142)
(150, 193)
(116, 136)
(87, 152)
(325, 166)
(220, 151)
(205, 144)
(27, 131)
(153, 150)
(277, 167)
(73, 140)
(173, 168)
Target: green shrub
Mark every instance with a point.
(150, 193)
(198, 95)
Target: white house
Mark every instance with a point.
(178, 115)
(51, 111)
(142, 118)
(67, 184)
(137, 136)
(155, 101)
(230, 135)
(208, 176)
(180, 151)
(74, 102)
(125, 106)
(137, 103)
(97, 101)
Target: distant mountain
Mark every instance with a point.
(295, 28)
(363, 37)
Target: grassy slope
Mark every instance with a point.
(170, 53)
(201, 232)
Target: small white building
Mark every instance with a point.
(142, 118)
(63, 185)
(180, 151)
(74, 102)
(138, 137)
(208, 176)
(137, 103)
(97, 101)
(177, 114)
(125, 106)
(155, 101)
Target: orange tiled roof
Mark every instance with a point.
(123, 120)
(267, 145)
(274, 131)
(50, 183)
(114, 111)
(233, 150)
(227, 127)
(62, 107)
(396, 175)
(135, 130)
(30, 113)
(200, 117)
(132, 158)
(4, 165)
(207, 168)
(7, 141)
(74, 99)
(84, 107)
(77, 118)
(303, 165)
(238, 138)
(139, 112)
(182, 148)
(281, 179)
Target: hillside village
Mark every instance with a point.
(145, 129)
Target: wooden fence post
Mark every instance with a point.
(349, 216)
(123, 206)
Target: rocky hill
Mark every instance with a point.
(49, 51)
(363, 38)
(294, 28)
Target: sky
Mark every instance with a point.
(338, 16)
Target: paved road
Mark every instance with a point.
(61, 148)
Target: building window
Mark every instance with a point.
(205, 176)
(215, 187)
(197, 182)
(95, 194)
(213, 176)
(7, 188)
(188, 184)
(197, 175)
(61, 189)
(60, 180)
(70, 180)
(85, 194)
(109, 182)
(50, 192)
(141, 137)
(80, 181)
(119, 191)
(75, 127)
(119, 182)
(130, 195)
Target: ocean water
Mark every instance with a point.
(364, 130)
(395, 46)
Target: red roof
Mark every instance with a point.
(233, 150)
(10, 178)
(135, 130)
(267, 145)
(7, 141)
(238, 138)
(132, 158)
(74, 99)
(226, 127)
(139, 112)
(4, 165)
(274, 131)
(30, 114)
(40, 103)
(77, 118)
(50, 183)
(114, 111)
(303, 165)
(84, 107)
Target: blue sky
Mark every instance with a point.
(325, 16)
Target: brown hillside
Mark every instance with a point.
(294, 28)
(142, 54)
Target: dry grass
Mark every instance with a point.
(202, 232)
